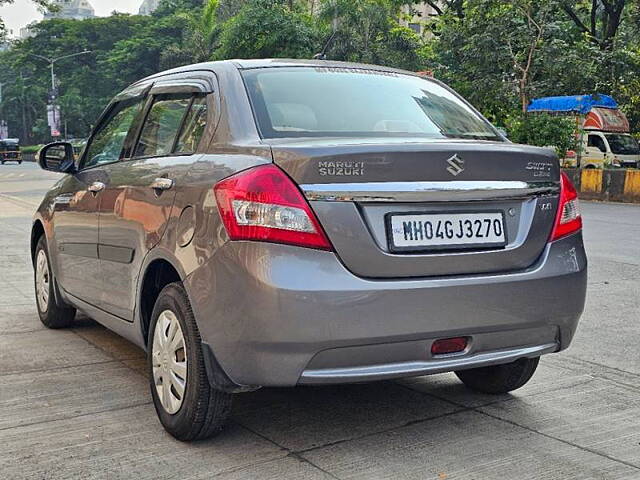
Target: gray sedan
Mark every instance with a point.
(281, 223)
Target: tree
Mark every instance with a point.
(200, 37)
(268, 28)
(443, 6)
(368, 31)
(495, 53)
(604, 19)
(86, 83)
(532, 19)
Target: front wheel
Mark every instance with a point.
(498, 379)
(51, 314)
(189, 408)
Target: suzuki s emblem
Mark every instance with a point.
(456, 165)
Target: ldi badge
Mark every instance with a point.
(456, 165)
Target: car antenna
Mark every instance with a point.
(323, 54)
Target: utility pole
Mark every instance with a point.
(25, 134)
(54, 95)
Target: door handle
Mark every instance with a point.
(162, 184)
(96, 187)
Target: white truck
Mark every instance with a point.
(602, 128)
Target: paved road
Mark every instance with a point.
(75, 404)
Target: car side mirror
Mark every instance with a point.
(57, 157)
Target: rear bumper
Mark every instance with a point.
(423, 367)
(276, 315)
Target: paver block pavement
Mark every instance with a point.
(599, 415)
(124, 444)
(469, 446)
(306, 417)
(27, 398)
(46, 350)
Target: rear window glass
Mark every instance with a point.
(346, 102)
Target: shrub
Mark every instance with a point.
(543, 130)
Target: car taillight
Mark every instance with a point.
(264, 204)
(568, 219)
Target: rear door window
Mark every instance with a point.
(161, 126)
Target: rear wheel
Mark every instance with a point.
(51, 314)
(498, 379)
(188, 407)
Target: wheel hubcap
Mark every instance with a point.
(169, 361)
(42, 281)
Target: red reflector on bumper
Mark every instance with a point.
(448, 345)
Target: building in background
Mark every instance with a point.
(422, 12)
(71, 9)
(27, 32)
(148, 7)
(67, 9)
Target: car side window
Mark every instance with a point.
(161, 126)
(596, 141)
(106, 144)
(193, 127)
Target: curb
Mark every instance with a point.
(607, 185)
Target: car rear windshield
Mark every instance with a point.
(348, 102)
(623, 144)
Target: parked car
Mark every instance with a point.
(278, 223)
(10, 151)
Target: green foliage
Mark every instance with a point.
(86, 83)
(482, 49)
(367, 31)
(543, 130)
(28, 149)
(267, 29)
(499, 54)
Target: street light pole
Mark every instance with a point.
(52, 62)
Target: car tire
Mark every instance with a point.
(188, 407)
(52, 313)
(498, 379)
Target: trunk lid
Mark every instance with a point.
(355, 186)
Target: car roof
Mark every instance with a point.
(285, 62)
(243, 64)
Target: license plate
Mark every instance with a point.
(445, 231)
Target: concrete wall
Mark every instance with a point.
(609, 185)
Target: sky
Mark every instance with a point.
(23, 12)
